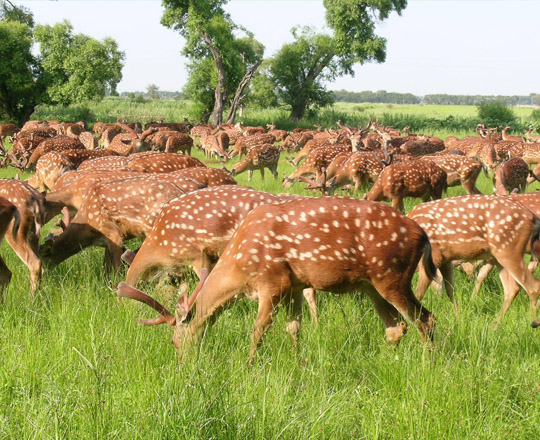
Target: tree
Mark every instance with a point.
(23, 83)
(16, 13)
(152, 91)
(70, 68)
(79, 67)
(209, 34)
(314, 58)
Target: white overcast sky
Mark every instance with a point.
(484, 47)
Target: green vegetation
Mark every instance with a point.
(496, 113)
(75, 364)
(70, 68)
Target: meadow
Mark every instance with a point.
(75, 364)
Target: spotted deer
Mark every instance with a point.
(162, 162)
(58, 144)
(296, 141)
(459, 170)
(331, 244)
(258, 158)
(89, 141)
(244, 143)
(511, 175)
(214, 145)
(479, 227)
(8, 214)
(112, 213)
(507, 137)
(530, 136)
(179, 142)
(7, 130)
(316, 163)
(25, 240)
(51, 166)
(415, 178)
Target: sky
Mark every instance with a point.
(470, 47)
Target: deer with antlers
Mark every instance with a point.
(414, 178)
(479, 227)
(332, 244)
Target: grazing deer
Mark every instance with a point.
(112, 213)
(316, 162)
(162, 162)
(179, 142)
(511, 175)
(415, 178)
(296, 141)
(332, 244)
(459, 170)
(216, 145)
(244, 143)
(477, 227)
(7, 130)
(258, 158)
(25, 241)
(8, 213)
(58, 144)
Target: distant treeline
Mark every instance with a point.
(160, 93)
(384, 97)
(381, 97)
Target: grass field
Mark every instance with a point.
(74, 364)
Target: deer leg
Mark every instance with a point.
(274, 171)
(250, 175)
(482, 275)
(447, 271)
(532, 266)
(423, 282)
(267, 302)
(394, 325)
(511, 289)
(113, 256)
(5, 278)
(519, 272)
(311, 298)
(262, 172)
(294, 311)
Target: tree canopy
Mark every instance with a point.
(221, 63)
(301, 68)
(69, 68)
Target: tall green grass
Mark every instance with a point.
(75, 364)
(429, 119)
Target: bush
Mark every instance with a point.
(493, 113)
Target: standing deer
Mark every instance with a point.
(415, 178)
(477, 227)
(332, 244)
(25, 239)
(8, 213)
(112, 213)
(511, 175)
(258, 158)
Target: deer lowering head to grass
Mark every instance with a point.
(258, 158)
(479, 227)
(414, 178)
(113, 212)
(332, 244)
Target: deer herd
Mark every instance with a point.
(122, 181)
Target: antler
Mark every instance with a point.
(126, 291)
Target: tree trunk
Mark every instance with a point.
(238, 96)
(217, 115)
(298, 111)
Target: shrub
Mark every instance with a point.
(493, 113)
